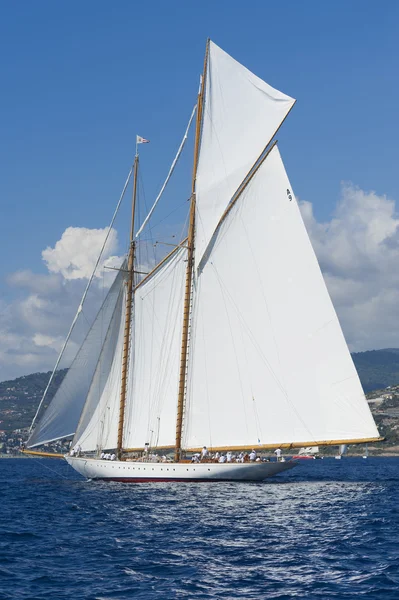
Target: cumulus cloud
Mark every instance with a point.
(34, 325)
(35, 282)
(358, 251)
(75, 254)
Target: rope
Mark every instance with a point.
(46, 467)
(80, 308)
(172, 168)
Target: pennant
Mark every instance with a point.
(141, 140)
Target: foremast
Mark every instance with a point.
(128, 313)
(189, 270)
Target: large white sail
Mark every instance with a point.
(154, 362)
(62, 416)
(98, 425)
(241, 114)
(268, 360)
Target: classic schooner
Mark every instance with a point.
(231, 341)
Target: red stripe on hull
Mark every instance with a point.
(165, 480)
(303, 457)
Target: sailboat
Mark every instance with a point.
(310, 453)
(342, 451)
(231, 344)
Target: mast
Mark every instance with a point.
(189, 271)
(128, 315)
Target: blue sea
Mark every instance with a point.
(327, 529)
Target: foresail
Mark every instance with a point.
(62, 415)
(155, 358)
(268, 362)
(241, 114)
(98, 425)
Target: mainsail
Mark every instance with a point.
(240, 116)
(62, 415)
(268, 360)
(154, 362)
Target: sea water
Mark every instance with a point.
(327, 529)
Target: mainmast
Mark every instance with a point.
(128, 315)
(189, 271)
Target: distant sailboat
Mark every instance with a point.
(311, 452)
(231, 342)
(342, 451)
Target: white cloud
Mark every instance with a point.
(75, 254)
(358, 251)
(33, 327)
(40, 339)
(35, 282)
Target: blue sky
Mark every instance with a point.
(80, 79)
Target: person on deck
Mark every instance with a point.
(278, 454)
(222, 459)
(204, 453)
(229, 456)
(252, 455)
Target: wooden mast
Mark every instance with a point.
(128, 315)
(189, 270)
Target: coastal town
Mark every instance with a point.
(19, 400)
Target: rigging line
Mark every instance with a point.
(172, 168)
(85, 318)
(153, 227)
(80, 308)
(257, 419)
(344, 401)
(142, 254)
(46, 467)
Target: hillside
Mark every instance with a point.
(378, 370)
(19, 398)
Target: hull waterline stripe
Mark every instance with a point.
(178, 479)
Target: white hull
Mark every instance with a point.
(136, 472)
